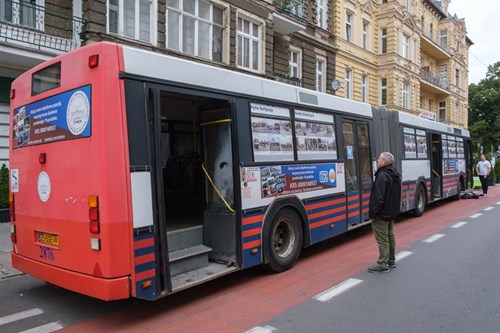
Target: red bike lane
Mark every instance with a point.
(238, 302)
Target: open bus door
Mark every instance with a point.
(437, 166)
(358, 167)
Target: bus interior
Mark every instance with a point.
(197, 183)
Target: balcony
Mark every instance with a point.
(434, 45)
(434, 84)
(40, 28)
(285, 78)
(289, 16)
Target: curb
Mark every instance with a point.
(6, 270)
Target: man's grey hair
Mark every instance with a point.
(388, 157)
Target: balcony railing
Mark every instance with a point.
(293, 7)
(26, 24)
(441, 42)
(285, 78)
(429, 77)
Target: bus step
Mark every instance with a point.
(183, 237)
(200, 275)
(188, 259)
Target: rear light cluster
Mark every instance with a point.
(12, 208)
(94, 224)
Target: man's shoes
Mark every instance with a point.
(481, 195)
(379, 269)
(391, 266)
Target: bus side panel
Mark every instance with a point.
(252, 241)
(327, 217)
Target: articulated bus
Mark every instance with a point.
(137, 174)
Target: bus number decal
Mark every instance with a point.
(46, 253)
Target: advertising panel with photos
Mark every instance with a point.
(315, 136)
(415, 143)
(271, 133)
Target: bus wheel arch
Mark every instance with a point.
(460, 187)
(420, 200)
(284, 234)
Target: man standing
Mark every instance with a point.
(483, 169)
(385, 200)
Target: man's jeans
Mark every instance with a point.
(384, 234)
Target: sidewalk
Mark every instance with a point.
(6, 269)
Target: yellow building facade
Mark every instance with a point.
(409, 55)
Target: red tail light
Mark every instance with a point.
(93, 203)
(93, 60)
(12, 207)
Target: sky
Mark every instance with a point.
(483, 28)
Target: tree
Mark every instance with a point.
(484, 110)
(4, 186)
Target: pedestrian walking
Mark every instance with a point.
(385, 200)
(483, 169)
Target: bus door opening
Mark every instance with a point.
(437, 167)
(198, 187)
(359, 173)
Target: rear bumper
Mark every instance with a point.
(105, 289)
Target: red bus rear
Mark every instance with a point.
(70, 202)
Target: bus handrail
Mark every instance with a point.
(216, 189)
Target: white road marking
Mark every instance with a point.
(20, 315)
(489, 208)
(403, 254)
(327, 295)
(50, 327)
(263, 329)
(433, 238)
(497, 203)
(458, 225)
(475, 216)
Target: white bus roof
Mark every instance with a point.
(164, 67)
(408, 119)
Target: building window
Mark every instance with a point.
(348, 27)
(430, 104)
(320, 74)
(406, 3)
(321, 13)
(406, 46)
(249, 44)
(383, 40)
(348, 83)
(364, 88)
(366, 35)
(443, 39)
(457, 78)
(295, 63)
(442, 112)
(406, 95)
(383, 91)
(28, 13)
(196, 27)
(132, 18)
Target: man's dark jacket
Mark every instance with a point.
(385, 199)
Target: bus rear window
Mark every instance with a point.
(46, 79)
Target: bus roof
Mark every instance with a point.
(150, 64)
(405, 118)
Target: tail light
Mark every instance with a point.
(12, 207)
(93, 60)
(93, 203)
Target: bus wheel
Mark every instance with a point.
(419, 201)
(459, 188)
(284, 242)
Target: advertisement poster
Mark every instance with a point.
(262, 184)
(450, 167)
(62, 117)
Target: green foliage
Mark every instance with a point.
(496, 169)
(4, 186)
(484, 106)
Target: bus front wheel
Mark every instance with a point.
(419, 201)
(284, 241)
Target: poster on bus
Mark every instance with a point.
(261, 184)
(61, 117)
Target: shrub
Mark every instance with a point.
(4, 186)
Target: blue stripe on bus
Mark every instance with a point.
(321, 218)
(143, 236)
(252, 226)
(146, 293)
(143, 251)
(144, 267)
(324, 232)
(251, 238)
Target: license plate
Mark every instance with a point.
(49, 239)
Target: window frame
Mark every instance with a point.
(405, 94)
(348, 83)
(321, 12)
(260, 40)
(119, 8)
(365, 40)
(383, 91)
(349, 27)
(383, 40)
(297, 65)
(197, 18)
(406, 46)
(321, 74)
(364, 88)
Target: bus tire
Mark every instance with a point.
(420, 201)
(459, 188)
(285, 241)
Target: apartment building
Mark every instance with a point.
(406, 55)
